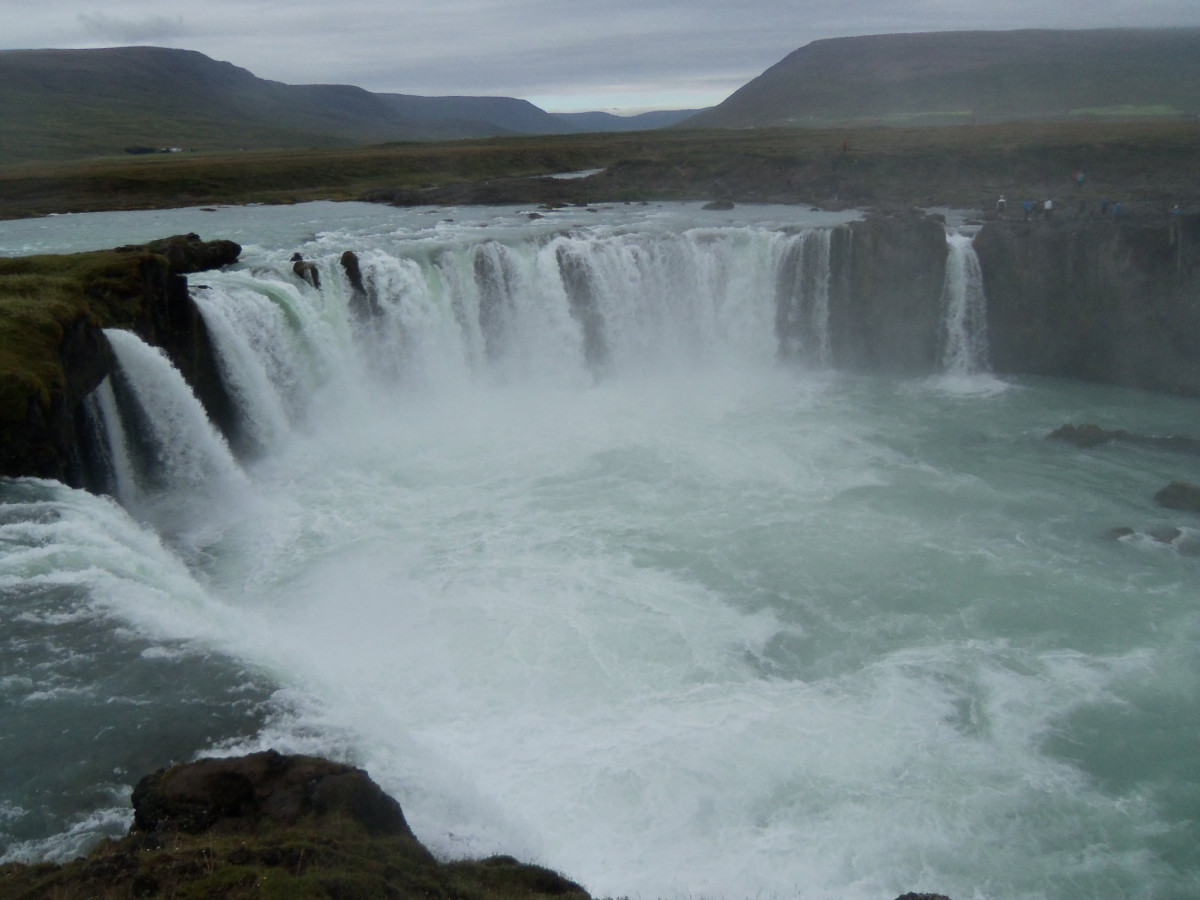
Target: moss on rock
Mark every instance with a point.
(53, 351)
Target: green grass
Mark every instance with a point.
(331, 861)
(40, 298)
(963, 165)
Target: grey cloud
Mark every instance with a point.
(535, 47)
(131, 31)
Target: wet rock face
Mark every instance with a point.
(239, 793)
(885, 307)
(1181, 495)
(1095, 300)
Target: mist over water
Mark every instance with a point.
(624, 595)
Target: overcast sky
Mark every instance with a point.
(563, 55)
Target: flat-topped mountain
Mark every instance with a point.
(972, 76)
(64, 104)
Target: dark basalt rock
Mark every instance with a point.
(269, 825)
(349, 261)
(52, 312)
(1090, 435)
(1084, 436)
(1181, 495)
(187, 253)
(362, 302)
(306, 271)
(241, 793)
(885, 308)
(1095, 300)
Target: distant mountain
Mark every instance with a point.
(972, 76)
(62, 104)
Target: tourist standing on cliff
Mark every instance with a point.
(1000, 205)
(1048, 207)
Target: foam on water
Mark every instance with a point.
(633, 601)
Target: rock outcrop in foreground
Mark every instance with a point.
(273, 826)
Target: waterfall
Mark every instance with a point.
(176, 445)
(560, 309)
(257, 354)
(965, 322)
(119, 471)
(802, 297)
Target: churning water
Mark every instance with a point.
(554, 547)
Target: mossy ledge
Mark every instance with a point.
(53, 352)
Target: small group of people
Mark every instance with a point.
(1030, 208)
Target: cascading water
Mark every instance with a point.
(965, 347)
(184, 450)
(802, 302)
(544, 538)
(122, 478)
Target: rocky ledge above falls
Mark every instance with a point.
(1095, 299)
(53, 352)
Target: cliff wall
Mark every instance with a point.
(1095, 299)
(53, 351)
(885, 309)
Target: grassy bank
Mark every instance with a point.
(328, 861)
(965, 165)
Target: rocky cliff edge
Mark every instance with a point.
(53, 351)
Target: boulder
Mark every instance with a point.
(241, 793)
(1090, 435)
(306, 271)
(187, 253)
(1182, 495)
(1084, 436)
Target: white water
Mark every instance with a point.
(804, 282)
(965, 350)
(668, 617)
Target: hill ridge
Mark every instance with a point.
(63, 104)
(972, 76)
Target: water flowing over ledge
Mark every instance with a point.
(604, 545)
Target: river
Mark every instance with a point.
(613, 589)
